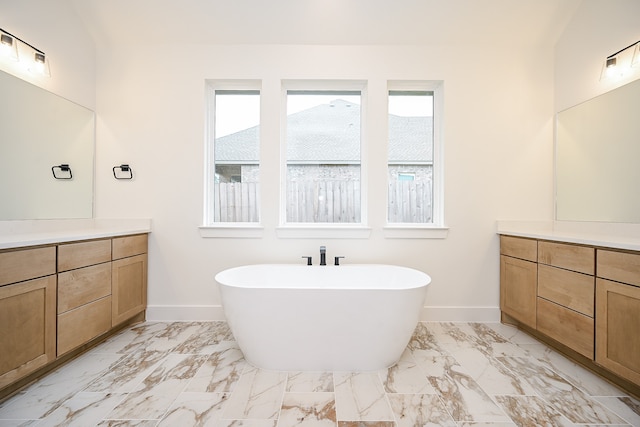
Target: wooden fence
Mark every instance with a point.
(410, 202)
(323, 202)
(236, 202)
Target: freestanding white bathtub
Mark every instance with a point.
(322, 318)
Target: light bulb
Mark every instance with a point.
(609, 69)
(40, 64)
(8, 47)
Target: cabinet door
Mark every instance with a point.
(518, 289)
(27, 327)
(617, 326)
(128, 287)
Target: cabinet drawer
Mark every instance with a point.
(572, 257)
(83, 285)
(568, 327)
(81, 325)
(567, 288)
(129, 246)
(83, 254)
(619, 266)
(519, 247)
(26, 264)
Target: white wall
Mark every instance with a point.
(498, 161)
(54, 28)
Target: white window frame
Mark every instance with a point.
(324, 230)
(437, 229)
(223, 229)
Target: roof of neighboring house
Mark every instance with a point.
(310, 140)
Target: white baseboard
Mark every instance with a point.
(168, 313)
(460, 314)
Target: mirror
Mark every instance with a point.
(40, 130)
(598, 158)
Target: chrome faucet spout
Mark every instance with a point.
(323, 255)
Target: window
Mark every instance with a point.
(317, 180)
(323, 167)
(411, 157)
(233, 191)
(406, 176)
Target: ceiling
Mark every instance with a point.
(332, 22)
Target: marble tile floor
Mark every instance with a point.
(193, 374)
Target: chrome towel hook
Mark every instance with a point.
(123, 169)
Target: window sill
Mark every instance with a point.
(415, 232)
(323, 232)
(256, 231)
(232, 230)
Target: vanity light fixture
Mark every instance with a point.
(125, 172)
(614, 65)
(36, 62)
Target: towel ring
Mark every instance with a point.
(63, 168)
(123, 169)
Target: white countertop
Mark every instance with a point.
(17, 234)
(609, 235)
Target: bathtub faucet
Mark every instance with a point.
(323, 255)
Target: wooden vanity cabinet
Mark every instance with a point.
(618, 313)
(27, 311)
(129, 277)
(57, 300)
(587, 302)
(84, 292)
(518, 278)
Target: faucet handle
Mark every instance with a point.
(337, 260)
(308, 260)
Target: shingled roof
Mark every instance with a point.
(316, 142)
